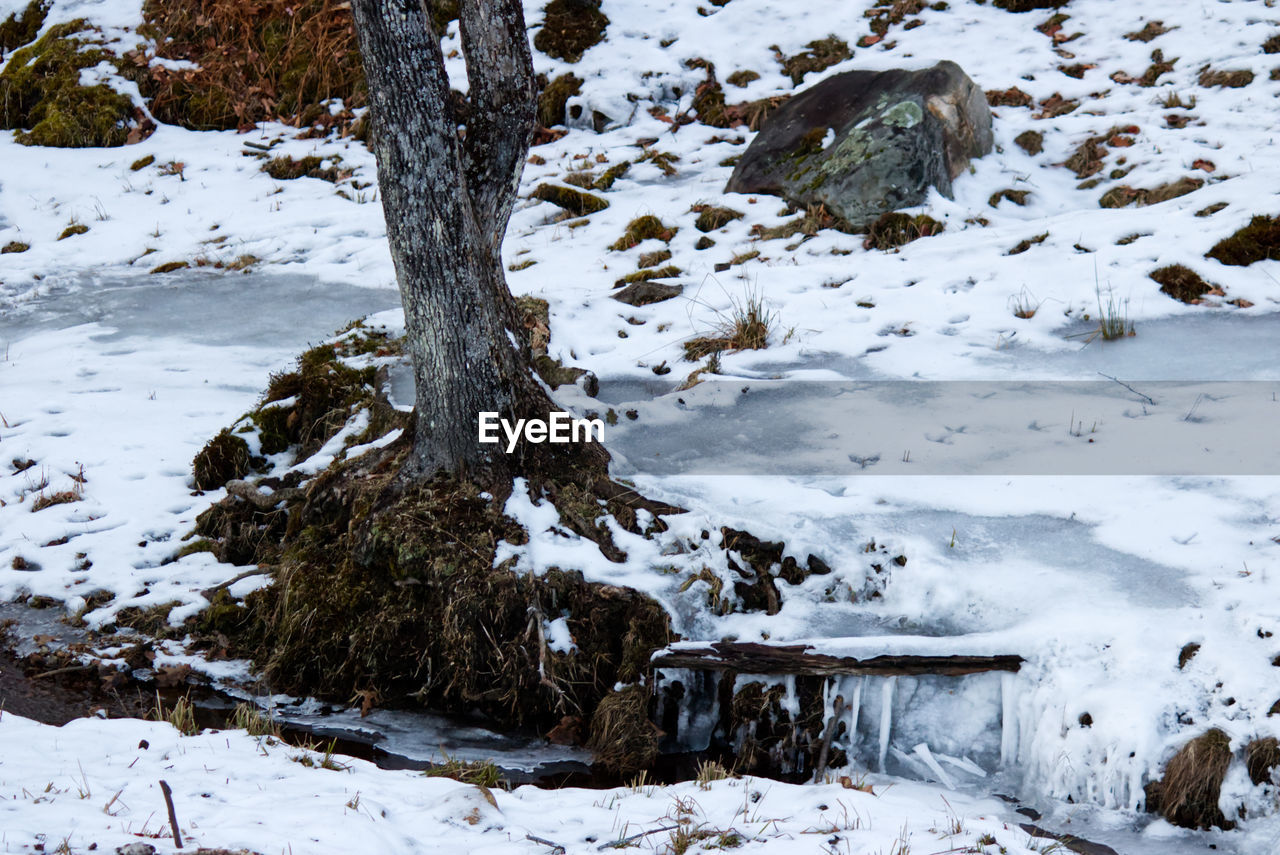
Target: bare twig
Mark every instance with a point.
(173, 816)
(556, 848)
(70, 669)
(1146, 398)
(618, 844)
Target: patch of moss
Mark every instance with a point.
(645, 275)
(142, 163)
(552, 100)
(742, 77)
(642, 228)
(324, 390)
(1032, 142)
(223, 458)
(285, 168)
(1024, 245)
(1028, 5)
(1182, 283)
(653, 259)
(570, 28)
(895, 229)
(1258, 241)
(1017, 197)
(1272, 44)
(407, 600)
(152, 621)
(170, 266)
(713, 217)
(610, 175)
(577, 202)
(1228, 79)
(14, 246)
(704, 242)
(73, 230)
(42, 99)
(20, 28)
(821, 54)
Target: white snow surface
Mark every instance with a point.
(111, 380)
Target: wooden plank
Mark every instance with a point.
(803, 659)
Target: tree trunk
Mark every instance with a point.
(447, 197)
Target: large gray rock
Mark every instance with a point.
(865, 142)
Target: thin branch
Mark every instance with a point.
(1146, 398)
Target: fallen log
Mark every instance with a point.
(805, 659)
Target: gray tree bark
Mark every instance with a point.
(448, 195)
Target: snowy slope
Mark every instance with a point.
(1099, 582)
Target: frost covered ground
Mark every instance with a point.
(111, 379)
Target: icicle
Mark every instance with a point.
(854, 705)
(1008, 722)
(886, 716)
(922, 751)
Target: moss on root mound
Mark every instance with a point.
(391, 592)
(397, 592)
(41, 96)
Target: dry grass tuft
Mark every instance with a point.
(258, 61)
(746, 327)
(1188, 793)
(623, 738)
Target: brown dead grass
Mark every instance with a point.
(259, 60)
(1188, 793)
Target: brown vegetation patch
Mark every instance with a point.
(646, 227)
(713, 217)
(1182, 283)
(1032, 142)
(1228, 79)
(554, 96)
(1055, 105)
(260, 61)
(1024, 245)
(1261, 756)
(223, 458)
(1011, 97)
(1028, 5)
(14, 246)
(1017, 197)
(1152, 30)
(1119, 197)
(1258, 241)
(820, 54)
(623, 738)
(895, 229)
(1272, 45)
(570, 28)
(1188, 793)
(577, 202)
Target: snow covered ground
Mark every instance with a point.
(111, 379)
